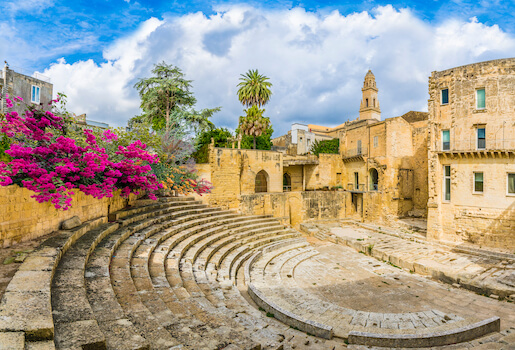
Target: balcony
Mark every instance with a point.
(359, 188)
(354, 154)
(473, 147)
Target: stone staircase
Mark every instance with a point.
(157, 276)
(177, 274)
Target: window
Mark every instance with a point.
(359, 147)
(34, 96)
(511, 184)
(478, 182)
(480, 98)
(446, 140)
(444, 96)
(447, 182)
(374, 102)
(356, 181)
(376, 141)
(374, 180)
(366, 100)
(481, 140)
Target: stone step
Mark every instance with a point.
(26, 304)
(219, 240)
(273, 333)
(141, 206)
(124, 282)
(213, 338)
(234, 250)
(219, 249)
(74, 320)
(239, 224)
(86, 311)
(144, 311)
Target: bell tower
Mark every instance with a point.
(369, 108)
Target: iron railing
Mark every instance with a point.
(355, 187)
(355, 152)
(474, 144)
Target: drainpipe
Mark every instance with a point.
(4, 90)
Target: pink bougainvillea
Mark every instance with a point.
(47, 162)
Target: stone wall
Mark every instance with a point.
(23, 219)
(294, 208)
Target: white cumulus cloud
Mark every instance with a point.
(316, 61)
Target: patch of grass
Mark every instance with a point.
(389, 263)
(385, 282)
(296, 328)
(269, 314)
(360, 239)
(361, 252)
(261, 309)
(9, 260)
(370, 247)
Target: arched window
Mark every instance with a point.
(374, 103)
(374, 180)
(286, 182)
(366, 102)
(261, 182)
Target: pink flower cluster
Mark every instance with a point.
(52, 165)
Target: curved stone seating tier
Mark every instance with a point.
(273, 287)
(26, 306)
(93, 317)
(178, 274)
(208, 335)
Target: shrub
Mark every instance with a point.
(51, 164)
(325, 146)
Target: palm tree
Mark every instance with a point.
(254, 124)
(254, 89)
(254, 92)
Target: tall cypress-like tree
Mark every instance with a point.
(164, 93)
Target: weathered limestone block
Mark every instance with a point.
(71, 223)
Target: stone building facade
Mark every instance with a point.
(385, 167)
(472, 154)
(379, 175)
(33, 90)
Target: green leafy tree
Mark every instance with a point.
(325, 146)
(263, 142)
(254, 92)
(221, 137)
(167, 102)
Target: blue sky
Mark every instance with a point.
(316, 53)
